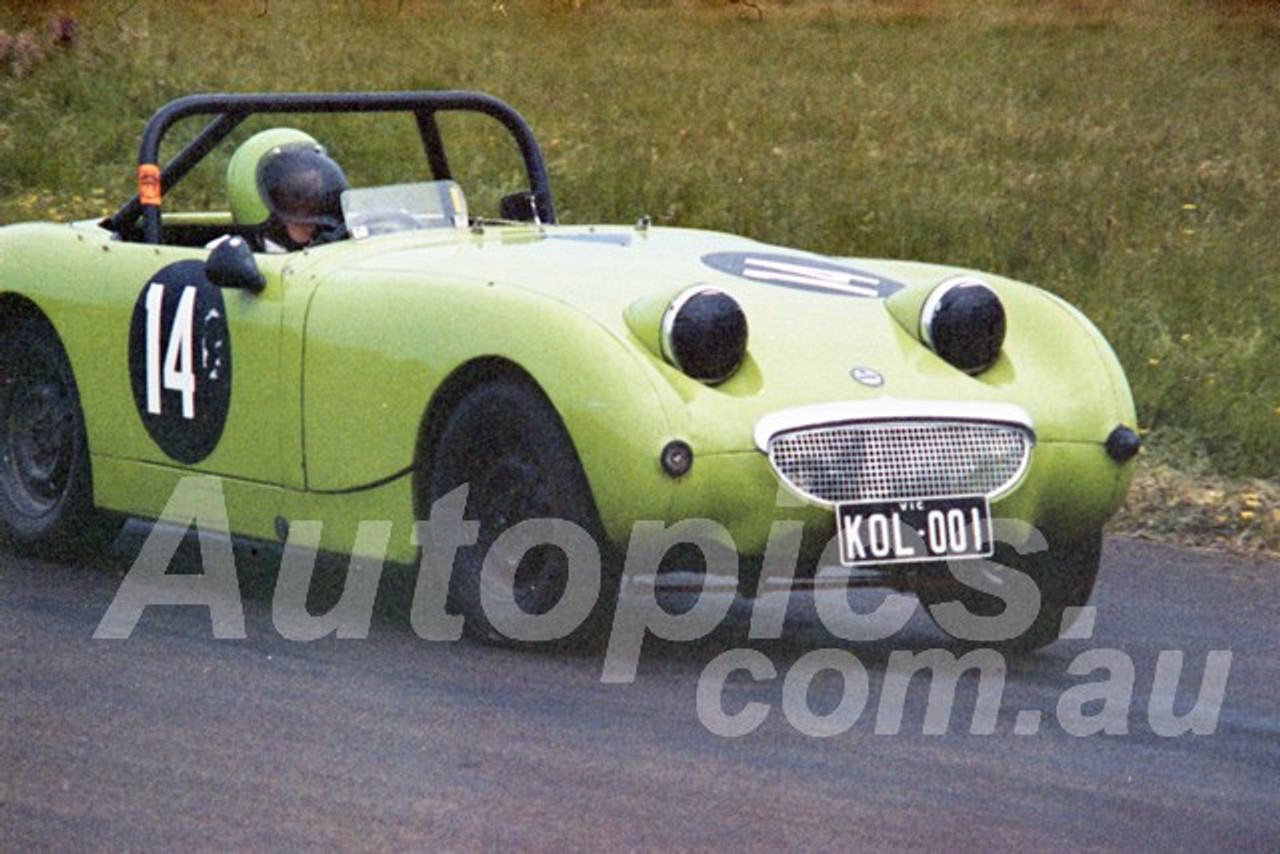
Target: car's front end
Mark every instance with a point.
(857, 381)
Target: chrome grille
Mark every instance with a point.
(900, 459)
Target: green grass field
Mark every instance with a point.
(1123, 154)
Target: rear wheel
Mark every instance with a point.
(507, 444)
(1064, 575)
(46, 494)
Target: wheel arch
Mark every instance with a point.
(77, 527)
(18, 307)
(461, 381)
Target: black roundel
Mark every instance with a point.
(180, 361)
(803, 273)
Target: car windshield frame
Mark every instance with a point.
(141, 214)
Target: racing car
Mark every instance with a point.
(898, 421)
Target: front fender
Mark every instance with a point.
(1055, 363)
(379, 347)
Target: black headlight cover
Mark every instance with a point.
(704, 334)
(963, 321)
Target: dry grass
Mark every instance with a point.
(1202, 509)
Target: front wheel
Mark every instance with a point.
(46, 495)
(1063, 575)
(506, 443)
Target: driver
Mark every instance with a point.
(286, 191)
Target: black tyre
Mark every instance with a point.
(1064, 574)
(46, 494)
(506, 442)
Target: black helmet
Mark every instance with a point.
(301, 184)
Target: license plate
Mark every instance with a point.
(907, 531)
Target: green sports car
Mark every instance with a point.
(342, 354)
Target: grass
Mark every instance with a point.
(1122, 154)
(1202, 509)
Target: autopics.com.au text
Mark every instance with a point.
(1089, 707)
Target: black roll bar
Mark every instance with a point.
(229, 110)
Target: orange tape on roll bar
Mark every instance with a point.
(149, 184)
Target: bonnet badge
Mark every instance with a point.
(867, 376)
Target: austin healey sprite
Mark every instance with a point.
(344, 353)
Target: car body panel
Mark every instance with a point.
(339, 363)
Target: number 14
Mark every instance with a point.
(178, 370)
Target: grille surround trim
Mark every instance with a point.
(888, 449)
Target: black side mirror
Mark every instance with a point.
(231, 265)
(520, 207)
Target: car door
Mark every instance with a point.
(204, 367)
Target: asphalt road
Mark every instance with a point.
(172, 740)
